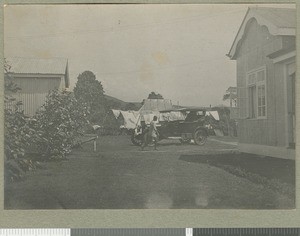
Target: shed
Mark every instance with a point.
(264, 51)
(36, 77)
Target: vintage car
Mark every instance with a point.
(185, 124)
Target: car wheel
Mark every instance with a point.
(137, 139)
(200, 137)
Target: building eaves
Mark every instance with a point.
(279, 21)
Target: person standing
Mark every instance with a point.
(151, 134)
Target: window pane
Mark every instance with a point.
(263, 90)
(263, 101)
(251, 79)
(261, 75)
(252, 102)
(257, 94)
(259, 101)
(264, 111)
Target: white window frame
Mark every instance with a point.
(257, 83)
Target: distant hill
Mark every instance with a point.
(115, 103)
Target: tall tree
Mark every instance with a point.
(153, 95)
(89, 92)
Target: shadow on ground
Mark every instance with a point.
(277, 174)
(269, 167)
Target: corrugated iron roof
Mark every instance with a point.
(21, 65)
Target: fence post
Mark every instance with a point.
(95, 144)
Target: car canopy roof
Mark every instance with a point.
(185, 109)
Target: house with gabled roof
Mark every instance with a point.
(265, 53)
(36, 77)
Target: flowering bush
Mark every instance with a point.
(51, 133)
(59, 123)
(18, 134)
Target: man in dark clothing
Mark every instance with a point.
(151, 134)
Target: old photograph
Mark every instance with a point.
(149, 106)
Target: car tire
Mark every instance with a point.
(137, 140)
(200, 137)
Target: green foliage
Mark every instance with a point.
(51, 133)
(153, 95)
(230, 95)
(89, 92)
(110, 125)
(18, 133)
(9, 86)
(227, 125)
(59, 124)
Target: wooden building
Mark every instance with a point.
(36, 77)
(264, 50)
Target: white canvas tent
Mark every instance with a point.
(131, 118)
(214, 114)
(116, 113)
(152, 107)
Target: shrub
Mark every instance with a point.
(59, 124)
(50, 134)
(18, 134)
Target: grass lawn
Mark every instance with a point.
(121, 176)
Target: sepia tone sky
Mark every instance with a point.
(176, 50)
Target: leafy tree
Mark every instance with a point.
(153, 95)
(89, 92)
(231, 95)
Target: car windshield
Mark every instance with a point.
(194, 115)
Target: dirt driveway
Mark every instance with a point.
(120, 176)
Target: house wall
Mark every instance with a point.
(256, 44)
(34, 91)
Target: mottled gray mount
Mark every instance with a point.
(246, 232)
(128, 232)
(182, 232)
